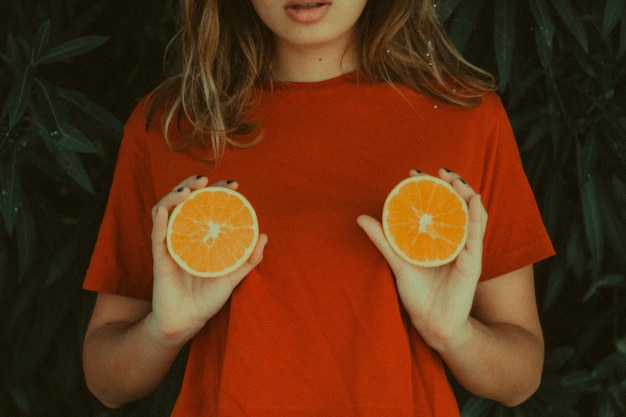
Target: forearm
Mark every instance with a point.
(124, 362)
(502, 362)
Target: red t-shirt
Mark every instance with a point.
(317, 329)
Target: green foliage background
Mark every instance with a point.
(71, 71)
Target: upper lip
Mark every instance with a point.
(293, 3)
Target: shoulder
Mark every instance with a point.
(143, 134)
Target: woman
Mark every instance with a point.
(316, 109)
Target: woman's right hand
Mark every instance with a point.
(183, 303)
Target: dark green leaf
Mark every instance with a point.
(464, 22)
(73, 139)
(589, 195)
(611, 200)
(544, 52)
(72, 165)
(12, 52)
(608, 281)
(527, 84)
(20, 397)
(41, 162)
(593, 223)
(64, 135)
(612, 364)
(475, 407)
(573, 22)
(72, 48)
(613, 12)
(504, 39)
(26, 48)
(52, 101)
(7, 61)
(41, 41)
(575, 253)
(97, 112)
(9, 182)
(20, 95)
(614, 134)
(558, 274)
(588, 156)
(446, 8)
(556, 358)
(538, 131)
(26, 238)
(578, 379)
(541, 13)
(12, 57)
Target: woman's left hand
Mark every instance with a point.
(439, 299)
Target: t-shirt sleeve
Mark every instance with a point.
(121, 262)
(515, 235)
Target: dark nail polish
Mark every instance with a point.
(418, 171)
(446, 169)
(180, 190)
(199, 176)
(462, 180)
(230, 181)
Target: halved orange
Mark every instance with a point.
(213, 232)
(425, 221)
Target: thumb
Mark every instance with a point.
(159, 231)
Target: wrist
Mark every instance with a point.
(166, 338)
(455, 342)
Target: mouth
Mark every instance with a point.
(305, 6)
(307, 11)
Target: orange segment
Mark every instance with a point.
(213, 232)
(425, 221)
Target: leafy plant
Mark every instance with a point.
(57, 152)
(561, 68)
(562, 71)
(49, 154)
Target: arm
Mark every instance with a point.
(499, 353)
(130, 344)
(124, 357)
(489, 333)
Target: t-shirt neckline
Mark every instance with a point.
(349, 77)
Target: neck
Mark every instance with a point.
(313, 64)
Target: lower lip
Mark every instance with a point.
(310, 15)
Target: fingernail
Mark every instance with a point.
(446, 169)
(463, 181)
(418, 171)
(180, 190)
(230, 181)
(199, 176)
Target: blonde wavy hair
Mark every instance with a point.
(223, 52)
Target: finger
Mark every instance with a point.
(232, 184)
(476, 227)
(193, 182)
(252, 262)
(458, 183)
(172, 199)
(415, 172)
